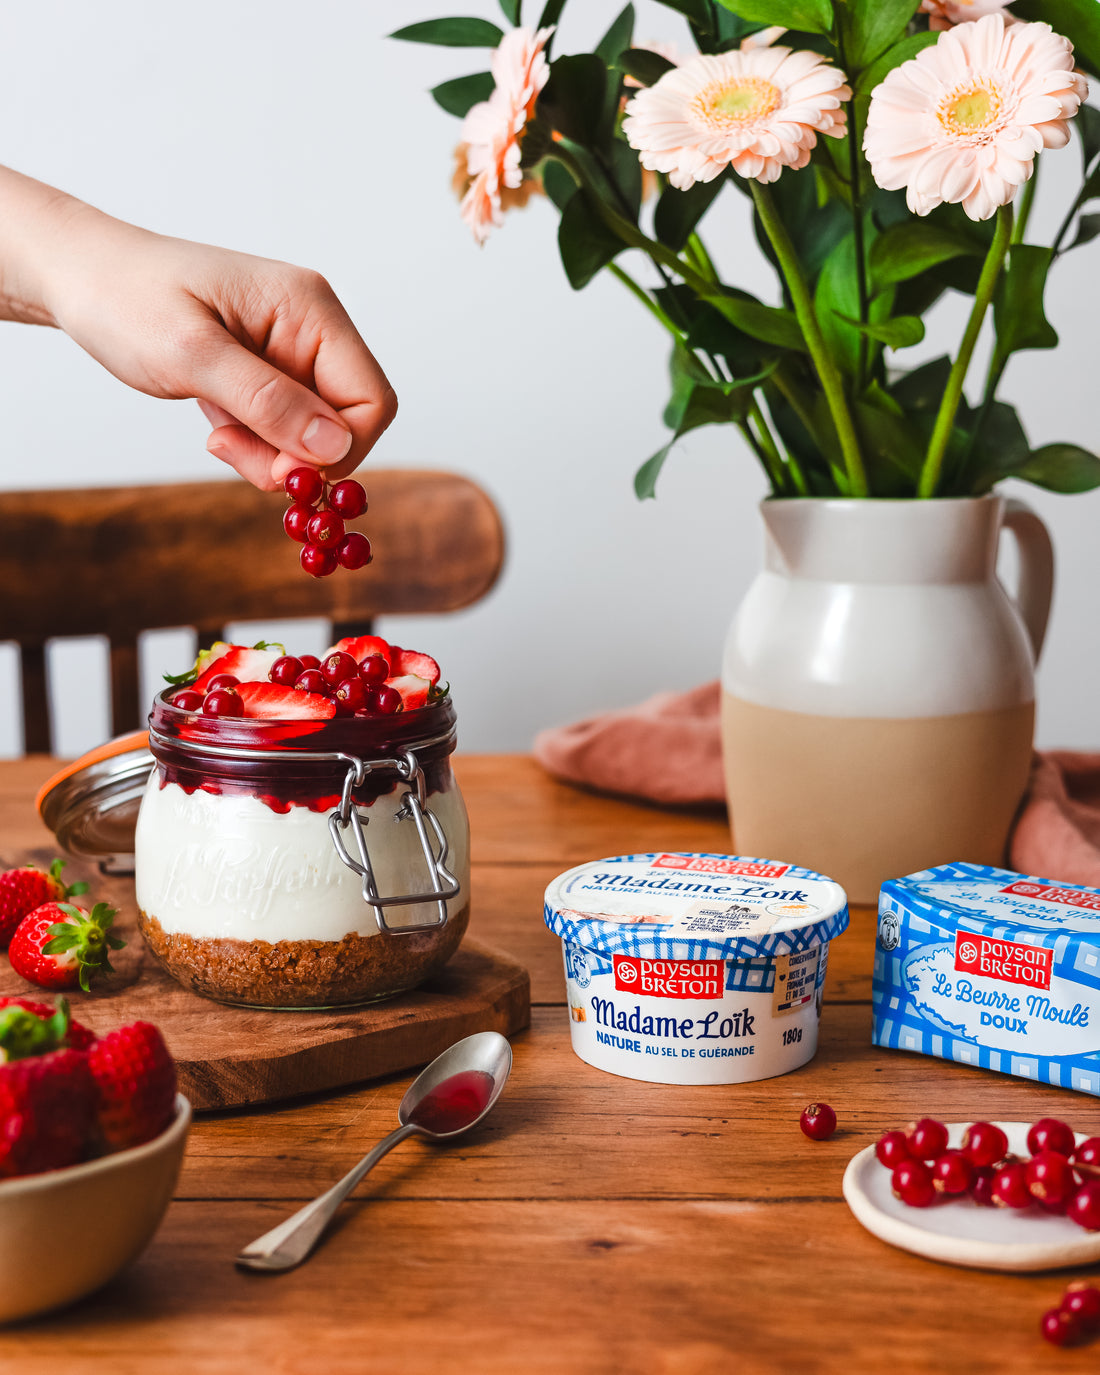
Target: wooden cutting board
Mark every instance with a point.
(229, 1057)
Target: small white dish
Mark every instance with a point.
(962, 1232)
(66, 1232)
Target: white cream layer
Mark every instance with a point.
(214, 866)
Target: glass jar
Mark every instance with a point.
(302, 864)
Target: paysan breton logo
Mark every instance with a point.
(1009, 961)
(670, 978)
(714, 864)
(1049, 892)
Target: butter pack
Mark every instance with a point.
(991, 968)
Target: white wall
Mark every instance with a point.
(300, 133)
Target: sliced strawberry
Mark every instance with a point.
(271, 702)
(413, 689)
(246, 665)
(360, 647)
(412, 661)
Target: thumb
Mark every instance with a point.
(272, 405)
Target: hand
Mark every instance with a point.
(268, 351)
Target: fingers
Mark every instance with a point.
(348, 376)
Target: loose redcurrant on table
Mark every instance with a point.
(1082, 1301)
(818, 1121)
(1059, 1327)
(1048, 1134)
(927, 1138)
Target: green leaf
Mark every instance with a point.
(1061, 468)
(892, 447)
(558, 183)
(452, 33)
(814, 16)
(645, 479)
(1087, 124)
(1088, 226)
(511, 10)
(873, 26)
(1077, 20)
(678, 212)
(900, 332)
(999, 448)
(906, 250)
(1018, 303)
(584, 241)
(922, 389)
(836, 300)
(458, 97)
(617, 39)
(644, 66)
(572, 100)
(696, 10)
(551, 13)
(773, 325)
(893, 57)
(626, 174)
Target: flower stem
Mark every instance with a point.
(646, 300)
(776, 466)
(952, 393)
(827, 370)
(857, 224)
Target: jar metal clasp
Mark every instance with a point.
(443, 884)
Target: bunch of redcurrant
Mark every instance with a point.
(1076, 1318)
(316, 516)
(1060, 1176)
(356, 689)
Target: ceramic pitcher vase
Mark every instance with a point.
(878, 685)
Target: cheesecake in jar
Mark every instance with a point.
(302, 863)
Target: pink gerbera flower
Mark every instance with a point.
(945, 14)
(756, 110)
(963, 121)
(493, 129)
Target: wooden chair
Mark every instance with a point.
(117, 561)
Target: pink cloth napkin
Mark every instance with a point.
(668, 750)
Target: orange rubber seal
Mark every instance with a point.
(121, 744)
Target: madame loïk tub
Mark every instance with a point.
(694, 969)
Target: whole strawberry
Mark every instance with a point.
(135, 1076)
(22, 890)
(78, 1037)
(47, 1094)
(59, 945)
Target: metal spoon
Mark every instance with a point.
(445, 1100)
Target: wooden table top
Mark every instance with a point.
(594, 1225)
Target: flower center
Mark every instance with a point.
(733, 104)
(971, 110)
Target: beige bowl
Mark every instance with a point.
(84, 1223)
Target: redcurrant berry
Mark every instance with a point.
(317, 562)
(1059, 1327)
(347, 498)
(326, 529)
(222, 680)
(337, 667)
(351, 696)
(354, 551)
(295, 520)
(1086, 1157)
(309, 661)
(374, 669)
(952, 1173)
(304, 485)
(981, 1186)
(286, 671)
(1048, 1134)
(912, 1183)
(223, 702)
(385, 700)
(984, 1143)
(891, 1149)
(1084, 1206)
(818, 1121)
(927, 1138)
(1050, 1178)
(310, 680)
(1082, 1300)
(188, 700)
(1010, 1186)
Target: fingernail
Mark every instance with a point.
(325, 439)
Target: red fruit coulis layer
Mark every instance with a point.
(285, 780)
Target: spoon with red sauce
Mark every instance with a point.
(448, 1098)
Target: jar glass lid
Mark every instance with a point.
(91, 805)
